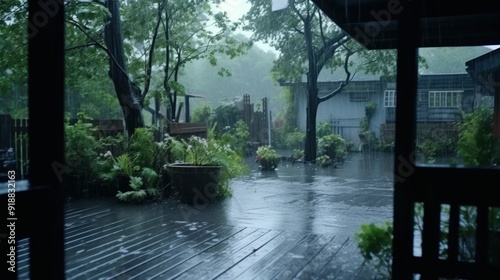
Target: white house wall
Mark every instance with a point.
(344, 113)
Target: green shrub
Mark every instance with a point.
(476, 144)
(135, 173)
(295, 140)
(81, 154)
(323, 129)
(267, 157)
(237, 136)
(202, 113)
(333, 146)
(375, 245)
(298, 154)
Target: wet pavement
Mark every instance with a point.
(304, 198)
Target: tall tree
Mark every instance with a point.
(144, 38)
(307, 42)
(13, 58)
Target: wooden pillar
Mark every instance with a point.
(496, 113)
(407, 65)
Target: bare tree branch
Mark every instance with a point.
(342, 84)
(101, 46)
(151, 54)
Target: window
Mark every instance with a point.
(445, 98)
(390, 98)
(359, 96)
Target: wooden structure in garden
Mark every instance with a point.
(185, 130)
(257, 120)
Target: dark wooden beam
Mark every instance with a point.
(46, 138)
(407, 82)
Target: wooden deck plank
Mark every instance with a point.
(107, 241)
(147, 249)
(23, 258)
(278, 265)
(347, 264)
(294, 264)
(311, 269)
(204, 254)
(227, 258)
(99, 249)
(260, 259)
(137, 264)
(180, 255)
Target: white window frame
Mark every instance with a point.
(390, 98)
(445, 98)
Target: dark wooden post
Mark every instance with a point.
(405, 130)
(5, 132)
(496, 110)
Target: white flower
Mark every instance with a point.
(108, 154)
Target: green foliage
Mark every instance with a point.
(333, 146)
(295, 140)
(370, 110)
(226, 116)
(142, 146)
(323, 129)
(136, 171)
(298, 154)
(141, 187)
(364, 124)
(287, 113)
(237, 136)
(210, 151)
(375, 245)
(476, 144)
(202, 113)
(375, 241)
(323, 160)
(81, 155)
(432, 143)
(267, 157)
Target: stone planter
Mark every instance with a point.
(197, 185)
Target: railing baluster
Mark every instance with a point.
(453, 233)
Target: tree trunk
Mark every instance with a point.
(312, 110)
(312, 97)
(130, 104)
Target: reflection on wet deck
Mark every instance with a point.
(110, 240)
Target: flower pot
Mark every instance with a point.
(267, 165)
(197, 185)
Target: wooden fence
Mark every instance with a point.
(256, 120)
(14, 135)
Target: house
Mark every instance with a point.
(442, 98)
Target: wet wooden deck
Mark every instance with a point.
(116, 241)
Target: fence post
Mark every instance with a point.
(5, 132)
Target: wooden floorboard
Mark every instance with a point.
(115, 241)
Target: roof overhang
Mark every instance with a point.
(374, 23)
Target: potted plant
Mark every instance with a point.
(203, 167)
(267, 157)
